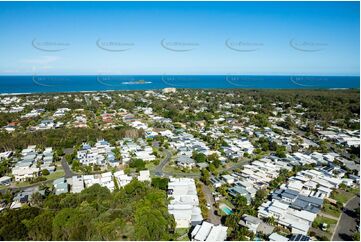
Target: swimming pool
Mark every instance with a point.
(227, 210)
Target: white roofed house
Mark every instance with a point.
(77, 183)
(24, 171)
(228, 179)
(144, 176)
(5, 155)
(209, 232)
(255, 225)
(101, 154)
(122, 178)
(135, 149)
(184, 204)
(104, 179)
(25, 168)
(146, 154)
(298, 221)
(185, 161)
(5, 180)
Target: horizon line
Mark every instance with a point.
(228, 74)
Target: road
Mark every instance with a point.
(346, 226)
(68, 172)
(159, 169)
(212, 217)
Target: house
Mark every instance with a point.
(185, 161)
(103, 179)
(144, 176)
(250, 222)
(121, 178)
(216, 182)
(348, 182)
(236, 191)
(46, 124)
(23, 173)
(277, 237)
(299, 221)
(24, 196)
(228, 179)
(184, 203)
(202, 165)
(60, 186)
(5, 155)
(299, 237)
(209, 232)
(77, 184)
(255, 225)
(101, 154)
(5, 180)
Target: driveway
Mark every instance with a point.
(212, 218)
(346, 226)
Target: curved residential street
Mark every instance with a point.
(159, 169)
(346, 226)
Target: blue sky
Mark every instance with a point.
(273, 38)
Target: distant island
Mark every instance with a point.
(137, 82)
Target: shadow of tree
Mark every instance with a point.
(346, 237)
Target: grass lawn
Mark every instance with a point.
(355, 190)
(149, 166)
(228, 203)
(22, 184)
(320, 220)
(341, 196)
(332, 210)
(55, 175)
(181, 231)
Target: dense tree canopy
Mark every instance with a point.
(136, 212)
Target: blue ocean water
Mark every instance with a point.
(44, 84)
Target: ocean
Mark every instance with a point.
(48, 84)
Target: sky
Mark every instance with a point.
(156, 38)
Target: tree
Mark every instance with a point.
(45, 172)
(161, 183)
(240, 202)
(356, 236)
(281, 151)
(260, 196)
(270, 220)
(37, 199)
(40, 227)
(11, 225)
(199, 157)
(138, 164)
(154, 227)
(242, 234)
(205, 176)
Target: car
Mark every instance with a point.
(208, 206)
